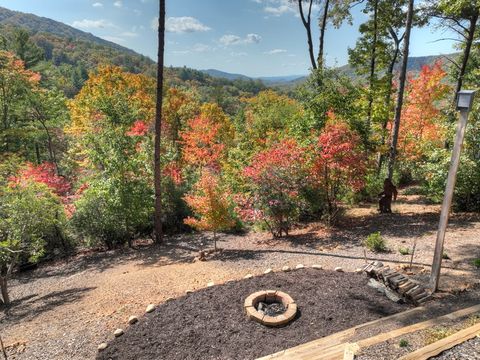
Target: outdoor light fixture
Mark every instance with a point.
(465, 99)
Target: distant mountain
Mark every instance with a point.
(36, 23)
(415, 64)
(268, 80)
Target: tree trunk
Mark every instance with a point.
(401, 89)
(158, 126)
(307, 24)
(323, 26)
(4, 290)
(388, 94)
(373, 59)
(466, 54)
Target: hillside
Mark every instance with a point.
(40, 24)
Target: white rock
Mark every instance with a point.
(339, 269)
(188, 291)
(316, 266)
(299, 266)
(132, 319)
(210, 284)
(248, 276)
(268, 271)
(150, 308)
(102, 346)
(358, 270)
(286, 268)
(118, 332)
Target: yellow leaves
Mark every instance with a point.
(111, 91)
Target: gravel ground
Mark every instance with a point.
(469, 350)
(211, 323)
(63, 310)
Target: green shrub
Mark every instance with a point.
(30, 215)
(403, 343)
(476, 263)
(375, 242)
(445, 256)
(404, 251)
(112, 212)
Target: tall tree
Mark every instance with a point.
(158, 126)
(401, 89)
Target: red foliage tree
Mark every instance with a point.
(339, 163)
(202, 145)
(43, 173)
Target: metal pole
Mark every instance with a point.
(447, 200)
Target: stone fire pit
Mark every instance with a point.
(270, 307)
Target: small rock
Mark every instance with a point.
(268, 271)
(248, 276)
(132, 319)
(188, 291)
(286, 268)
(150, 308)
(102, 346)
(168, 299)
(377, 263)
(358, 270)
(338, 269)
(118, 332)
(299, 266)
(210, 284)
(316, 266)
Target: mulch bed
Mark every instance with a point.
(211, 324)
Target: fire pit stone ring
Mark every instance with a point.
(270, 296)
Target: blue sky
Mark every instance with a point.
(251, 37)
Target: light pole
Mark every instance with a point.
(464, 104)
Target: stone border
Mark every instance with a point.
(270, 295)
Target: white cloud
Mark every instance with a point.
(92, 24)
(97, 4)
(275, 51)
(253, 38)
(137, 12)
(230, 40)
(236, 40)
(118, 4)
(183, 24)
(282, 7)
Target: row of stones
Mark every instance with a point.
(407, 288)
(286, 268)
(131, 320)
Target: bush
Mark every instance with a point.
(403, 343)
(30, 216)
(113, 212)
(374, 242)
(404, 251)
(476, 263)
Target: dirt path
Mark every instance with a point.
(64, 310)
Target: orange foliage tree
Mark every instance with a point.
(421, 127)
(211, 205)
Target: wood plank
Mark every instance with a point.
(447, 343)
(419, 326)
(339, 337)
